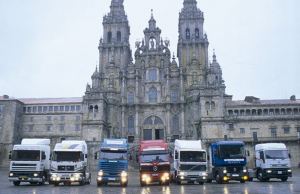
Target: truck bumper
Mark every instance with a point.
(161, 177)
(192, 178)
(236, 177)
(66, 177)
(109, 179)
(277, 173)
(26, 176)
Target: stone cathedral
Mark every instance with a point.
(146, 95)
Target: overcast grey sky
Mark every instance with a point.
(48, 48)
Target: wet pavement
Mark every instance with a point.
(292, 186)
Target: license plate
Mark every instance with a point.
(279, 172)
(154, 174)
(23, 177)
(111, 179)
(235, 175)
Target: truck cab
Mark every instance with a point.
(30, 162)
(70, 163)
(154, 161)
(190, 162)
(228, 161)
(272, 160)
(113, 162)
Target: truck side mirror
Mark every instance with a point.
(208, 158)
(43, 156)
(96, 156)
(130, 157)
(248, 153)
(85, 155)
(290, 156)
(9, 156)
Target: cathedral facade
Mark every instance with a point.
(148, 95)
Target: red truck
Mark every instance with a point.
(154, 160)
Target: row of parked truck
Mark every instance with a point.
(186, 161)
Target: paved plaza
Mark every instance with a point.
(292, 186)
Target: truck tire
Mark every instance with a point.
(284, 179)
(56, 184)
(219, 178)
(16, 183)
(99, 184)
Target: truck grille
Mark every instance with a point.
(23, 167)
(153, 168)
(112, 168)
(188, 167)
(65, 168)
(234, 169)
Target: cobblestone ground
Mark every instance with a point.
(255, 187)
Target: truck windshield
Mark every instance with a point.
(113, 155)
(192, 156)
(26, 155)
(149, 156)
(277, 154)
(232, 151)
(67, 156)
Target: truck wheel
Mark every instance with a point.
(259, 175)
(16, 183)
(219, 178)
(284, 179)
(56, 184)
(178, 182)
(99, 184)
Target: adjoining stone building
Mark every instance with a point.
(152, 96)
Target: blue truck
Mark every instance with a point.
(113, 162)
(228, 161)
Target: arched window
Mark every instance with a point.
(109, 37)
(131, 124)
(175, 124)
(174, 95)
(96, 108)
(187, 34)
(152, 95)
(91, 108)
(152, 74)
(197, 33)
(130, 98)
(119, 37)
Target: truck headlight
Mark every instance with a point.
(124, 174)
(35, 174)
(181, 173)
(203, 174)
(77, 175)
(100, 173)
(289, 170)
(53, 175)
(11, 174)
(245, 171)
(224, 171)
(269, 171)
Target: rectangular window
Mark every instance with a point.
(62, 118)
(24, 109)
(45, 108)
(298, 129)
(62, 127)
(231, 126)
(77, 127)
(55, 108)
(49, 118)
(49, 127)
(40, 109)
(61, 108)
(67, 108)
(273, 132)
(1, 108)
(29, 109)
(78, 108)
(30, 128)
(242, 130)
(286, 130)
(72, 108)
(50, 108)
(34, 109)
(255, 137)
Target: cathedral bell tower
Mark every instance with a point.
(192, 49)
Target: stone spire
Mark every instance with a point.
(152, 22)
(117, 8)
(190, 4)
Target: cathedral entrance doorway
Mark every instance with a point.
(153, 128)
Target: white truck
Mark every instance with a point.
(30, 162)
(272, 160)
(190, 162)
(69, 163)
